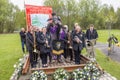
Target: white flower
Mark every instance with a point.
(20, 59)
(11, 78)
(15, 66)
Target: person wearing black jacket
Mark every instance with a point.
(30, 46)
(64, 37)
(91, 34)
(78, 42)
(44, 42)
(23, 39)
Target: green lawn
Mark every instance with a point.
(108, 65)
(10, 52)
(104, 35)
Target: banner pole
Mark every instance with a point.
(25, 16)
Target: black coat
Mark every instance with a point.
(48, 27)
(29, 41)
(91, 35)
(23, 36)
(41, 39)
(65, 40)
(76, 45)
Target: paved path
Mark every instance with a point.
(107, 76)
(115, 55)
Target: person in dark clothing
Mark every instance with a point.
(53, 30)
(78, 40)
(49, 25)
(23, 39)
(54, 26)
(91, 34)
(65, 35)
(36, 52)
(37, 35)
(30, 46)
(70, 49)
(44, 42)
(73, 30)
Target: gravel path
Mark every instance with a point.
(115, 55)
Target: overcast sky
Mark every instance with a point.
(20, 3)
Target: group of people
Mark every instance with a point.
(41, 40)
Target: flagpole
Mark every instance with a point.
(25, 15)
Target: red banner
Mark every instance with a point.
(35, 13)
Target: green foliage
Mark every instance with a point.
(89, 72)
(61, 74)
(117, 24)
(11, 17)
(85, 12)
(38, 75)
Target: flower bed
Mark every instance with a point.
(38, 75)
(61, 74)
(18, 68)
(89, 72)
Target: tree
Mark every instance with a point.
(11, 17)
(3, 13)
(89, 10)
(66, 9)
(117, 25)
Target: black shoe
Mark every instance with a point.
(43, 66)
(77, 63)
(60, 61)
(34, 66)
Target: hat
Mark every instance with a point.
(53, 14)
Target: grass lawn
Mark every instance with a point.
(108, 65)
(104, 35)
(10, 52)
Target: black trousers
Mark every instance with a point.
(32, 58)
(70, 54)
(77, 56)
(50, 56)
(23, 46)
(43, 58)
(65, 54)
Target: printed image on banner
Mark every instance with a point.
(39, 20)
